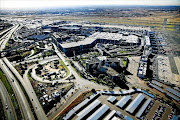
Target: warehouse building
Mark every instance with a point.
(99, 113)
(124, 100)
(135, 103)
(144, 108)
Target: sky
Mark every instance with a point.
(39, 4)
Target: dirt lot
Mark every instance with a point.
(133, 68)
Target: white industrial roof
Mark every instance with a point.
(131, 108)
(111, 99)
(144, 108)
(88, 109)
(110, 115)
(96, 115)
(115, 36)
(78, 43)
(115, 118)
(123, 101)
(102, 35)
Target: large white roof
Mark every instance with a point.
(115, 36)
(102, 35)
(78, 43)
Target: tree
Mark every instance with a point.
(168, 101)
(147, 83)
(101, 76)
(133, 87)
(40, 67)
(106, 79)
(93, 90)
(147, 89)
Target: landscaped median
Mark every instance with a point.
(72, 64)
(65, 67)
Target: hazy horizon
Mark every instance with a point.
(45, 4)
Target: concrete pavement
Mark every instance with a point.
(34, 60)
(30, 91)
(23, 103)
(7, 100)
(3, 42)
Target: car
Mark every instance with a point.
(6, 106)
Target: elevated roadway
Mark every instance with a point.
(29, 90)
(23, 103)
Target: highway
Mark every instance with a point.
(23, 103)
(4, 32)
(34, 60)
(7, 100)
(29, 90)
(7, 37)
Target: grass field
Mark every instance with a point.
(155, 20)
(65, 67)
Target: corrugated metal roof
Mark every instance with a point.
(131, 108)
(99, 112)
(123, 101)
(88, 109)
(143, 108)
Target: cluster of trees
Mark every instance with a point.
(23, 67)
(48, 53)
(39, 68)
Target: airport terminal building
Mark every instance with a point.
(97, 37)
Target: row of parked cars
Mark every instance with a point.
(159, 113)
(147, 110)
(170, 116)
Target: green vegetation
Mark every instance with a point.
(11, 94)
(26, 95)
(2, 114)
(125, 63)
(70, 62)
(24, 54)
(41, 45)
(133, 87)
(77, 72)
(29, 75)
(65, 67)
(123, 51)
(38, 93)
(36, 51)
